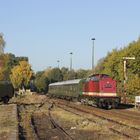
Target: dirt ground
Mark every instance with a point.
(35, 124)
(8, 122)
(81, 128)
(78, 127)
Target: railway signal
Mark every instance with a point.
(125, 73)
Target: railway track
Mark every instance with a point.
(116, 126)
(61, 130)
(92, 120)
(38, 121)
(39, 125)
(26, 125)
(46, 127)
(127, 114)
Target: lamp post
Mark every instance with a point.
(93, 53)
(125, 73)
(71, 60)
(58, 63)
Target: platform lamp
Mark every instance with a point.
(93, 39)
(71, 53)
(58, 63)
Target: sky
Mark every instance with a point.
(48, 30)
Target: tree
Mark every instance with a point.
(7, 62)
(22, 58)
(64, 71)
(133, 87)
(2, 44)
(99, 67)
(112, 64)
(47, 71)
(41, 81)
(2, 67)
(55, 75)
(21, 74)
(71, 75)
(81, 73)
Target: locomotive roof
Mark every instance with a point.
(69, 82)
(99, 75)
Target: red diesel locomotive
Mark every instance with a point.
(99, 89)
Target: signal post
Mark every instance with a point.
(125, 59)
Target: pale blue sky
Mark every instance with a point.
(48, 30)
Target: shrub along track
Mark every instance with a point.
(123, 123)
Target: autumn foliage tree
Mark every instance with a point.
(4, 66)
(112, 65)
(21, 74)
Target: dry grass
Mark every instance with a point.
(4, 135)
(28, 99)
(8, 122)
(79, 125)
(72, 121)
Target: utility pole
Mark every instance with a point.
(71, 60)
(125, 59)
(93, 53)
(58, 63)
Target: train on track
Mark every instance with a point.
(98, 89)
(6, 91)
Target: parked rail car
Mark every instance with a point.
(66, 89)
(6, 91)
(99, 89)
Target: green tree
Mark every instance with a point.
(133, 87)
(9, 63)
(64, 71)
(55, 75)
(22, 58)
(81, 73)
(100, 67)
(41, 81)
(71, 75)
